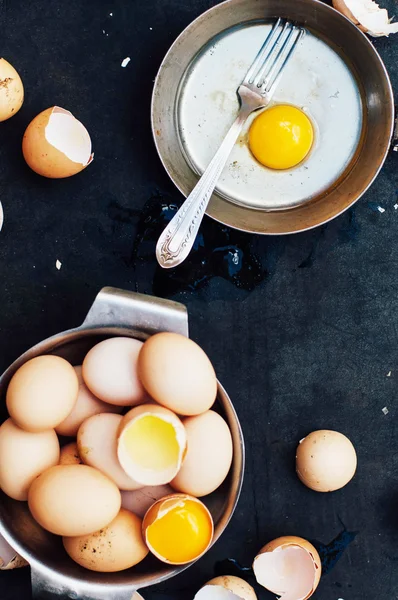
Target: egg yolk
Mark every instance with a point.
(180, 533)
(152, 443)
(281, 137)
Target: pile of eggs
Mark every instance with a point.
(113, 455)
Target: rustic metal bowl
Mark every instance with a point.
(358, 54)
(54, 574)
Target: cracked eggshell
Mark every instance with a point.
(11, 91)
(56, 145)
(142, 473)
(368, 16)
(290, 567)
(226, 587)
(116, 547)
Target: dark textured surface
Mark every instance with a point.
(311, 346)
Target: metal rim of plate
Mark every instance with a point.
(358, 53)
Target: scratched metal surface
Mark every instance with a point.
(302, 330)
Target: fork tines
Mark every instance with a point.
(274, 55)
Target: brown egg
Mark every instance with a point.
(215, 589)
(70, 455)
(110, 371)
(139, 501)
(42, 393)
(23, 456)
(56, 144)
(86, 406)
(288, 566)
(11, 91)
(97, 446)
(116, 547)
(177, 374)
(325, 461)
(209, 455)
(73, 500)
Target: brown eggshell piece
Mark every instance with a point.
(11, 91)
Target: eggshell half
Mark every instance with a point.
(110, 371)
(227, 587)
(56, 144)
(73, 500)
(23, 456)
(368, 16)
(86, 406)
(97, 447)
(11, 91)
(325, 461)
(177, 373)
(209, 455)
(42, 393)
(116, 547)
(289, 567)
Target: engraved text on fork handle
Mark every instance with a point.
(177, 239)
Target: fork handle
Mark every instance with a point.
(177, 239)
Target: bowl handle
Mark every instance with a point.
(50, 586)
(147, 314)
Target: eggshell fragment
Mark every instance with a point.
(23, 456)
(70, 455)
(139, 501)
(73, 500)
(289, 567)
(42, 393)
(110, 371)
(86, 406)
(325, 461)
(209, 455)
(227, 587)
(9, 559)
(116, 547)
(151, 444)
(368, 16)
(177, 373)
(97, 447)
(11, 91)
(56, 144)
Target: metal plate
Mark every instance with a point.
(336, 75)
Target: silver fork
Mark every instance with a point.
(255, 92)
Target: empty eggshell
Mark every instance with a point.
(368, 16)
(209, 455)
(97, 447)
(86, 406)
(139, 501)
(11, 91)
(227, 587)
(116, 547)
(325, 461)
(110, 371)
(177, 373)
(289, 567)
(151, 444)
(42, 393)
(70, 455)
(73, 500)
(23, 456)
(56, 144)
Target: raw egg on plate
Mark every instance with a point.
(289, 567)
(11, 91)
(56, 144)
(116, 547)
(226, 587)
(178, 529)
(151, 444)
(325, 461)
(281, 137)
